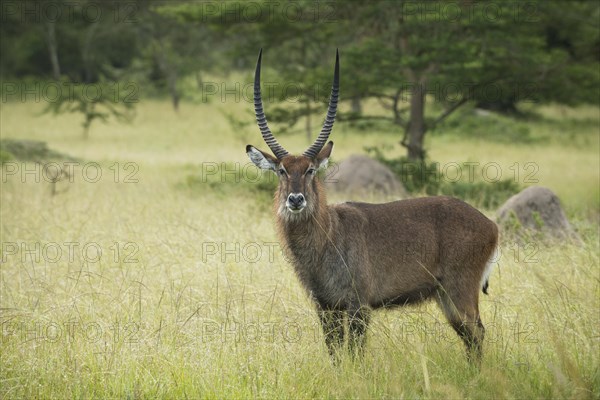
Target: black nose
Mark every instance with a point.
(296, 199)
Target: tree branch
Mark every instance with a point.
(356, 117)
(447, 112)
(397, 118)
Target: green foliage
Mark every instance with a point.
(489, 195)
(29, 150)
(92, 38)
(537, 219)
(416, 176)
(232, 178)
(512, 223)
(514, 230)
(5, 156)
(486, 125)
(545, 51)
(420, 177)
(98, 101)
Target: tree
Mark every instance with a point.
(460, 52)
(296, 44)
(98, 101)
(175, 43)
(421, 60)
(96, 57)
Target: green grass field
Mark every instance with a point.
(136, 284)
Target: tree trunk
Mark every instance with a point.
(199, 82)
(87, 54)
(172, 82)
(356, 106)
(89, 118)
(169, 71)
(416, 127)
(52, 49)
(308, 123)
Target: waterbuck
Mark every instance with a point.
(356, 257)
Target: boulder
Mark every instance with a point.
(359, 174)
(537, 209)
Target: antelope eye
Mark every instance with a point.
(311, 171)
(281, 172)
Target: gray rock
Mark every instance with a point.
(359, 174)
(537, 209)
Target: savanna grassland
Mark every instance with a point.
(162, 277)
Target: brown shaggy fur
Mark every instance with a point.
(356, 257)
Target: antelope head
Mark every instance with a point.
(298, 188)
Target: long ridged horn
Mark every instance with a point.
(330, 119)
(275, 147)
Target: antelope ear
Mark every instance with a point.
(261, 159)
(323, 156)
